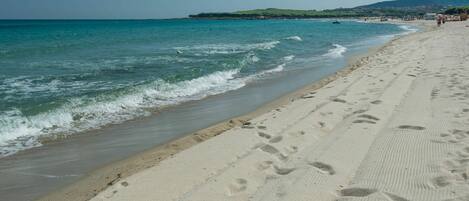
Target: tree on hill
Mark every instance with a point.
(457, 10)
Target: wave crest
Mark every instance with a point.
(336, 52)
(19, 132)
(408, 29)
(296, 38)
(289, 58)
(228, 48)
(277, 69)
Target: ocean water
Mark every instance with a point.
(60, 78)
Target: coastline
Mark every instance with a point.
(98, 180)
(394, 129)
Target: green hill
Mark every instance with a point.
(274, 13)
(457, 10)
(417, 3)
(398, 8)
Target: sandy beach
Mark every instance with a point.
(393, 126)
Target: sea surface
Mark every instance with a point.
(61, 78)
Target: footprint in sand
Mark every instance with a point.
(376, 102)
(307, 97)
(360, 111)
(366, 119)
(276, 139)
(444, 135)
(264, 135)
(325, 168)
(125, 184)
(435, 93)
(419, 128)
(239, 185)
(264, 165)
(441, 181)
(370, 117)
(283, 170)
(357, 192)
(338, 100)
(269, 149)
(363, 122)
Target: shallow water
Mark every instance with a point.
(66, 77)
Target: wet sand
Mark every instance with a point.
(392, 127)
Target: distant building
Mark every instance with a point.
(430, 16)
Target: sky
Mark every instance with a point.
(150, 9)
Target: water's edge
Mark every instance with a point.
(99, 179)
(72, 95)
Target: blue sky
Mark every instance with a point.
(145, 9)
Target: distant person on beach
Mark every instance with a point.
(439, 19)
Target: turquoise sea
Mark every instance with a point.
(60, 78)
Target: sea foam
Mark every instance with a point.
(296, 38)
(336, 52)
(277, 69)
(228, 48)
(20, 132)
(289, 57)
(408, 29)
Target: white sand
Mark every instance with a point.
(396, 129)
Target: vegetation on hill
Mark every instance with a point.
(398, 8)
(417, 3)
(457, 10)
(288, 13)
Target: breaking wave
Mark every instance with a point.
(20, 132)
(289, 58)
(228, 48)
(336, 52)
(277, 69)
(408, 29)
(296, 38)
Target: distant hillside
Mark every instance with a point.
(274, 13)
(271, 13)
(417, 3)
(457, 10)
(397, 8)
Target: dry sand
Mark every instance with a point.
(395, 129)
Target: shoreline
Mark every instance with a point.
(98, 180)
(57, 139)
(394, 129)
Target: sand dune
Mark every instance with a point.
(395, 129)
